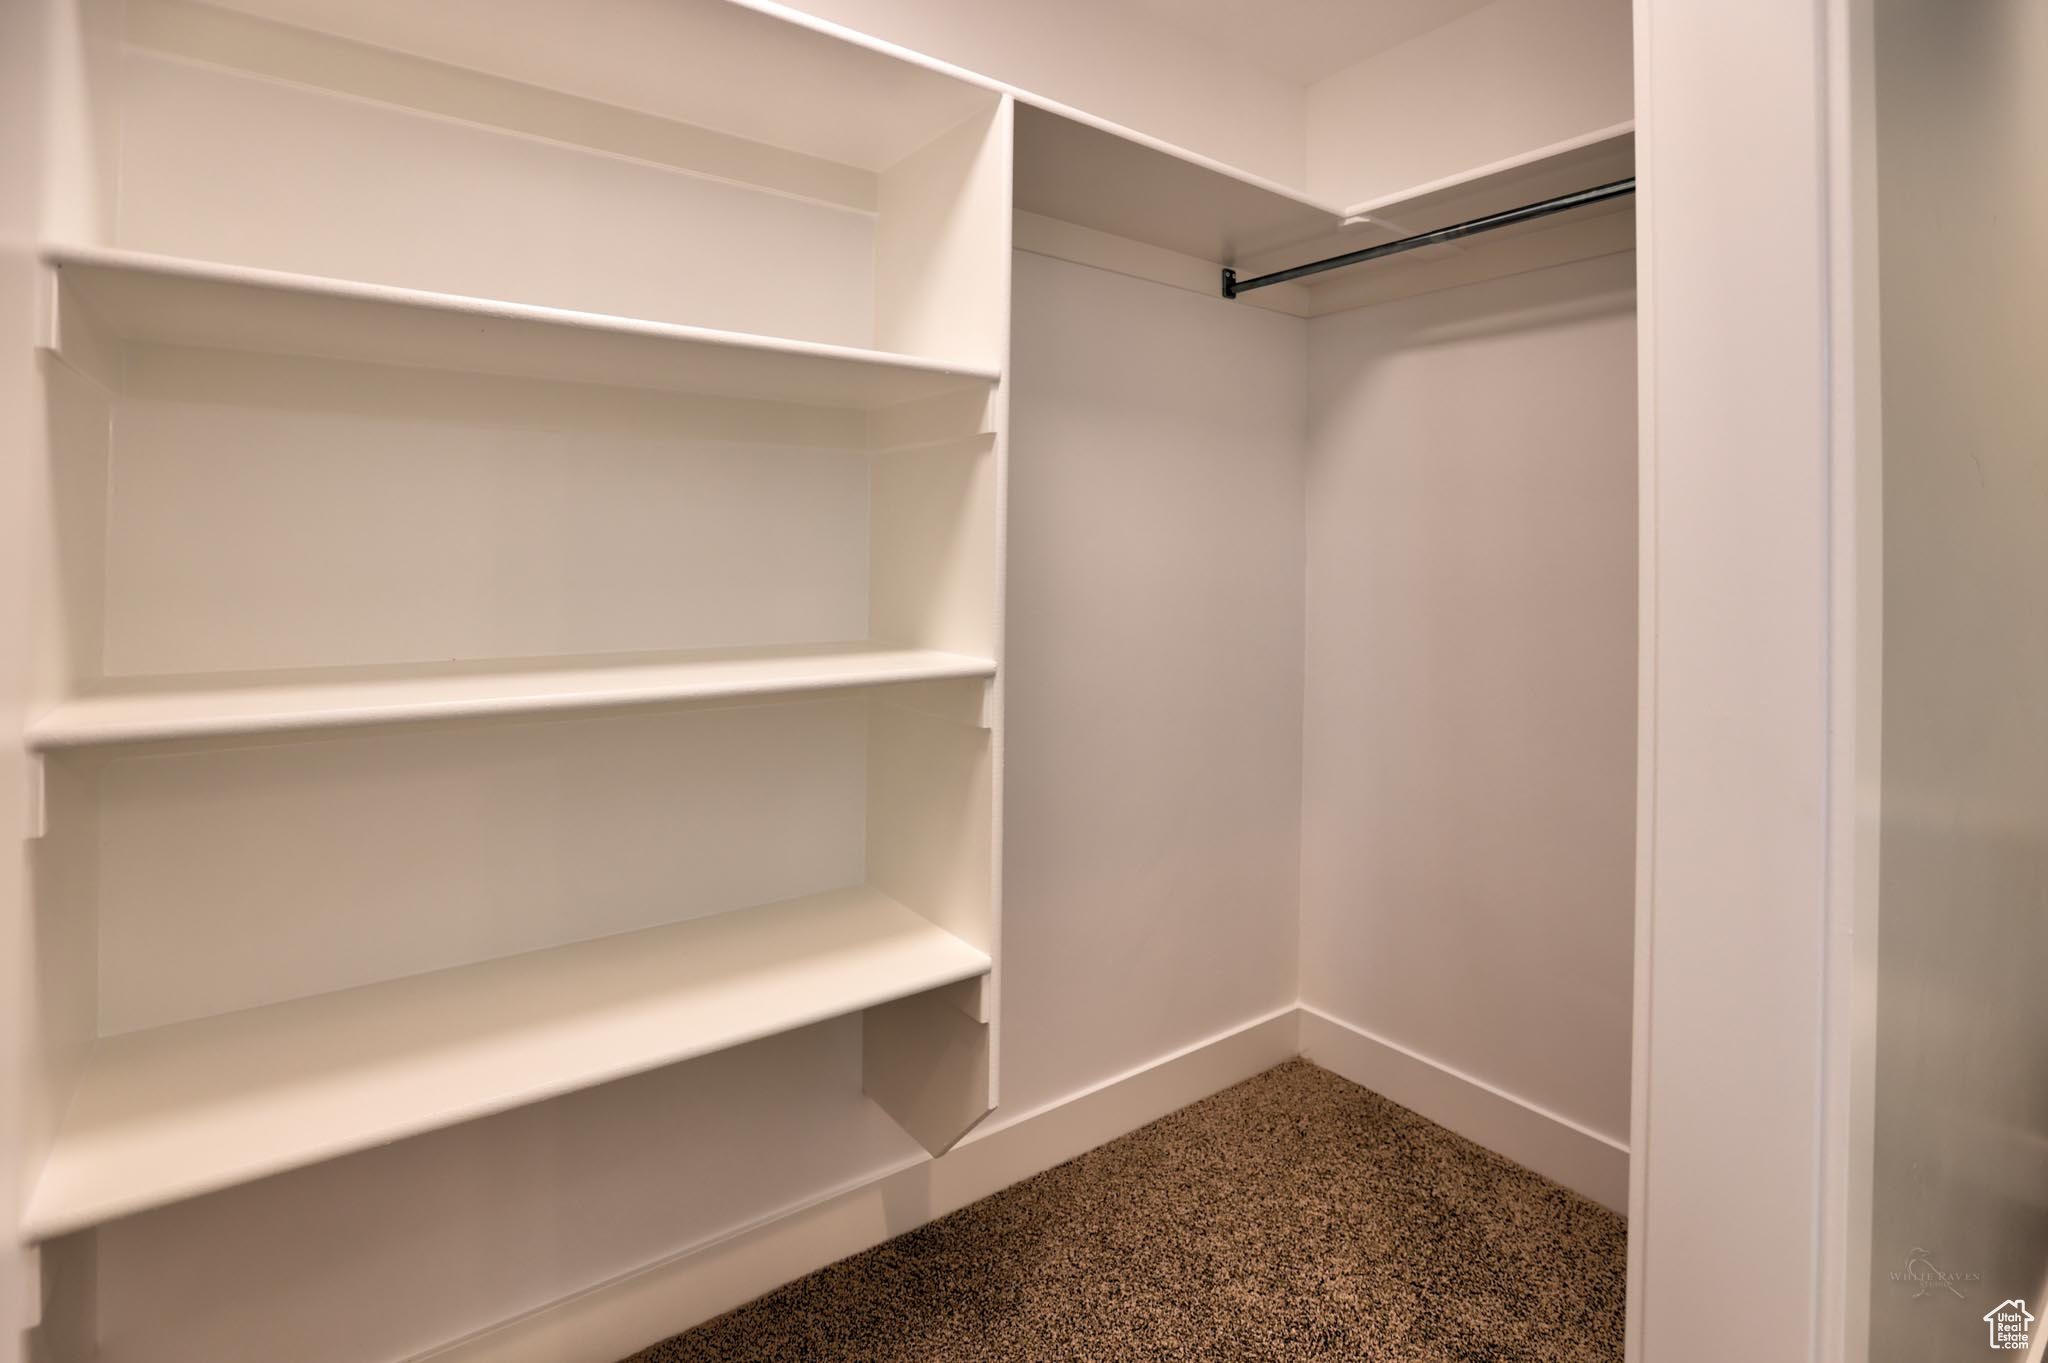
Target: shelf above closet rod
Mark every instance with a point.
(1233, 286)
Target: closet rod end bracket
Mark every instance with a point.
(1229, 282)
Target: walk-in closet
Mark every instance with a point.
(670, 638)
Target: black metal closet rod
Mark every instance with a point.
(1233, 286)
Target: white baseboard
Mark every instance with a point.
(1534, 1137)
(615, 1318)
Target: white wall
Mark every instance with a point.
(1111, 60)
(1495, 83)
(1469, 786)
(360, 496)
(1961, 1094)
(220, 164)
(1155, 671)
(1154, 726)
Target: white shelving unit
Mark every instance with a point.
(492, 618)
(510, 608)
(172, 1112)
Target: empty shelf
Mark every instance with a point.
(1578, 163)
(162, 299)
(327, 700)
(176, 1111)
(1116, 181)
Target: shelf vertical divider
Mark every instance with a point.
(943, 284)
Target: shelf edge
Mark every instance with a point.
(187, 270)
(41, 1222)
(1612, 133)
(61, 727)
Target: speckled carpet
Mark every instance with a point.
(1295, 1216)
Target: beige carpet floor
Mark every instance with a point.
(1294, 1216)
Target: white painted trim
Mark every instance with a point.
(1856, 684)
(1646, 686)
(1530, 1134)
(615, 1318)
(1742, 685)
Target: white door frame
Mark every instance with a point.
(1758, 724)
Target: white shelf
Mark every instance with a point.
(1075, 170)
(174, 1112)
(343, 698)
(151, 298)
(1597, 158)
(1114, 180)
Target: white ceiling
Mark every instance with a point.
(1305, 40)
